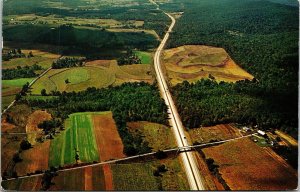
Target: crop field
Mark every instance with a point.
(79, 79)
(99, 74)
(10, 88)
(56, 20)
(9, 146)
(42, 58)
(25, 184)
(87, 134)
(90, 178)
(35, 158)
(194, 62)
(217, 132)
(134, 177)
(159, 136)
(78, 137)
(139, 176)
(246, 166)
(109, 147)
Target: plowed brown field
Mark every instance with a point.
(246, 166)
(34, 159)
(108, 140)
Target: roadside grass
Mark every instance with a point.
(6, 100)
(145, 57)
(158, 136)
(78, 136)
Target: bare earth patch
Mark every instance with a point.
(34, 120)
(108, 140)
(34, 159)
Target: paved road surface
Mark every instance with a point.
(190, 164)
(30, 84)
(133, 157)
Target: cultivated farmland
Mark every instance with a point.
(42, 58)
(89, 178)
(98, 73)
(10, 88)
(26, 184)
(87, 134)
(217, 132)
(246, 166)
(78, 138)
(193, 62)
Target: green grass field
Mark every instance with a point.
(16, 82)
(145, 57)
(5, 101)
(10, 88)
(134, 177)
(79, 135)
(80, 78)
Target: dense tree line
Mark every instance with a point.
(67, 62)
(128, 102)
(129, 58)
(20, 72)
(13, 53)
(260, 36)
(91, 43)
(208, 103)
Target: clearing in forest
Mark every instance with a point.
(194, 62)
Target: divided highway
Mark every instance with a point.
(190, 164)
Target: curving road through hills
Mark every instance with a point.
(190, 164)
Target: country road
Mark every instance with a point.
(190, 164)
(30, 84)
(132, 157)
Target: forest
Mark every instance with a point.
(20, 72)
(128, 102)
(87, 42)
(140, 10)
(67, 63)
(260, 36)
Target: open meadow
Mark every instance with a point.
(194, 62)
(98, 73)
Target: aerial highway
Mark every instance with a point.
(190, 164)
